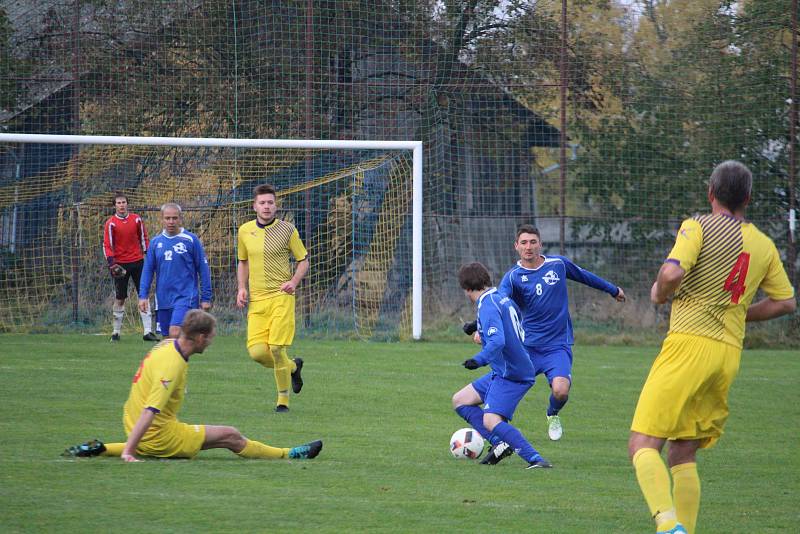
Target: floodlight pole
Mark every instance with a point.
(414, 146)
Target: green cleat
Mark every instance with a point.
(554, 429)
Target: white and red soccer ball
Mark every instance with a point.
(466, 444)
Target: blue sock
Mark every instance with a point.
(474, 416)
(512, 436)
(556, 405)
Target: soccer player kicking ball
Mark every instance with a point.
(156, 396)
(500, 390)
(718, 263)
(538, 285)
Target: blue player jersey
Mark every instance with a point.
(176, 261)
(501, 338)
(541, 295)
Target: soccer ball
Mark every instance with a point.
(466, 444)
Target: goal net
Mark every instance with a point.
(351, 203)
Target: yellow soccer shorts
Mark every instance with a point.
(173, 440)
(686, 393)
(271, 321)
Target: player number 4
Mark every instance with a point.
(735, 281)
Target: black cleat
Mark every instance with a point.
(500, 451)
(307, 451)
(115, 337)
(281, 408)
(84, 450)
(150, 337)
(297, 379)
(541, 463)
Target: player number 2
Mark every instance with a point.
(735, 281)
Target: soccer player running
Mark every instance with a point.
(717, 264)
(265, 278)
(511, 375)
(124, 244)
(538, 285)
(156, 396)
(177, 259)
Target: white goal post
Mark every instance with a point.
(414, 146)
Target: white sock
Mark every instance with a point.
(119, 313)
(147, 321)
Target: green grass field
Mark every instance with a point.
(384, 413)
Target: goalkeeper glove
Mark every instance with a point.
(471, 364)
(470, 328)
(117, 270)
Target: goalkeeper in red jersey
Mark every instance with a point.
(124, 243)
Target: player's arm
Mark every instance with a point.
(300, 254)
(201, 261)
(780, 298)
(114, 268)
(680, 260)
(493, 337)
(299, 272)
(768, 308)
(141, 426)
(242, 273)
(148, 269)
(590, 279)
(143, 239)
(667, 281)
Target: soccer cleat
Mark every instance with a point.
(677, 529)
(281, 408)
(539, 463)
(90, 448)
(150, 337)
(115, 337)
(554, 429)
(307, 451)
(500, 451)
(297, 379)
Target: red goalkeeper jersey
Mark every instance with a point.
(125, 239)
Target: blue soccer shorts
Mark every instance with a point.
(552, 361)
(499, 395)
(171, 317)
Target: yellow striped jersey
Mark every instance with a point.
(159, 385)
(726, 261)
(266, 249)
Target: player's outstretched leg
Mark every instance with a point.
(297, 379)
(511, 435)
(94, 447)
(306, 451)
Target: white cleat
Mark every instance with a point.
(554, 429)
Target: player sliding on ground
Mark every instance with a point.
(511, 375)
(156, 396)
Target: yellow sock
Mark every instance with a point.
(653, 477)
(283, 372)
(113, 449)
(256, 449)
(686, 494)
(261, 353)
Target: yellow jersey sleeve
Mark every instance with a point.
(241, 246)
(296, 246)
(687, 246)
(776, 282)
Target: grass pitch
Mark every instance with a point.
(383, 411)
